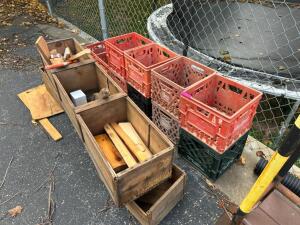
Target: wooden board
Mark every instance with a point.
(43, 49)
(51, 130)
(80, 54)
(40, 103)
(152, 207)
(111, 153)
(129, 129)
(141, 152)
(120, 146)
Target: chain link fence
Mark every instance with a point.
(258, 38)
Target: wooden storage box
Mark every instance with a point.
(89, 78)
(133, 182)
(152, 207)
(60, 46)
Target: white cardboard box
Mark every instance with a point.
(78, 97)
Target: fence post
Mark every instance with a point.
(49, 7)
(286, 123)
(103, 19)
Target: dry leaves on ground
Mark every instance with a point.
(242, 160)
(15, 211)
(260, 154)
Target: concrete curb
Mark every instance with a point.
(81, 33)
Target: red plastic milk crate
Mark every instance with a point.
(171, 78)
(140, 61)
(99, 53)
(218, 110)
(116, 46)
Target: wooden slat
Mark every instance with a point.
(111, 153)
(132, 133)
(80, 54)
(128, 158)
(51, 130)
(40, 103)
(42, 46)
(141, 152)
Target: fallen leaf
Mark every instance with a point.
(260, 154)
(210, 184)
(26, 23)
(221, 204)
(281, 68)
(76, 31)
(224, 52)
(242, 160)
(15, 211)
(60, 24)
(227, 58)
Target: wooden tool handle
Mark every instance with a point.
(58, 65)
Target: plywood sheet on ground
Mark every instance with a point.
(40, 103)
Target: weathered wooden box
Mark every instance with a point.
(133, 182)
(60, 46)
(51, 87)
(152, 207)
(89, 78)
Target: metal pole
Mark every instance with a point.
(287, 122)
(49, 7)
(103, 19)
(289, 146)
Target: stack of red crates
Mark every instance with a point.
(216, 115)
(206, 114)
(218, 111)
(110, 54)
(168, 82)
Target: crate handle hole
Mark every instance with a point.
(166, 54)
(203, 112)
(235, 89)
(121, 41)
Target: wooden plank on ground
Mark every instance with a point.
(121, 147)
(51, 130)
(40, 103)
